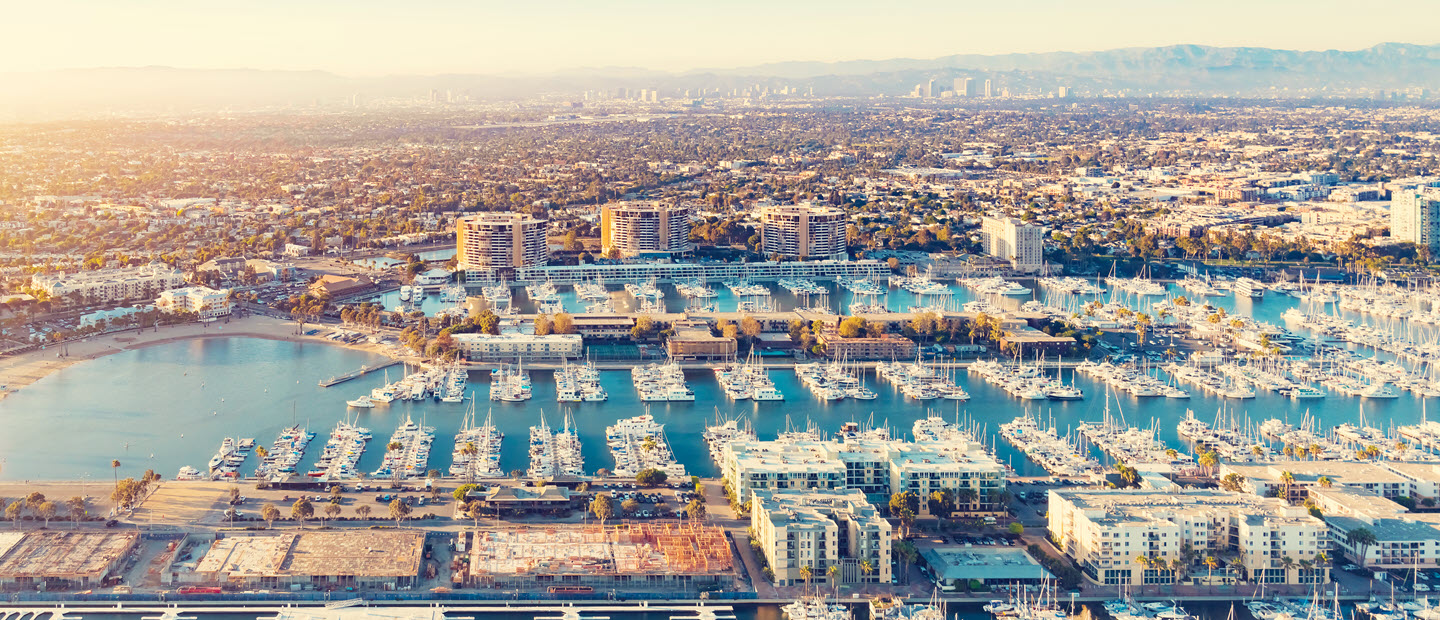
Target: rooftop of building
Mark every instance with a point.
(1351, 501)
(62, 555)
(359, 553)
(814, 507)
(698, 335)
(1339, 472)
(1119, 506)
(970, 563)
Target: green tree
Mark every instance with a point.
(651, 476)
(696, 510)
(603, 507)
(302, 510)
(399, 511)
(269, 512)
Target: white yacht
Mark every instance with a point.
(364, 402)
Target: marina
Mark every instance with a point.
(637, 444)
(555, 454)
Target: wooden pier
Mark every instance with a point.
(338, 379)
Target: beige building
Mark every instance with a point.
(699, 344)
(645, 229)
(518, 347)
(1013, 240)
(109, 285)
(802, 231)
(492, 243)
(1106, 530)
(820, 529)
(878, 468)
(202, 301)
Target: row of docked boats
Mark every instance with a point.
(342, 452)
(833, 381)
(1024, 381)
(555, 453)
(995, 285)
(661, 383)
(918, 381)
(1060, 457)
(1129, 380)
(742, 288)
(509, 383)
(477, 448)
(407, 455)
(227, 460)
(579, 382)
(695, 290)
(1069, 285)
(747, 381)
(921, 285)
(285, 454)
(443, 383)
(800, 286)
(723, 432)
(638, 444)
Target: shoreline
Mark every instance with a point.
(25, 369)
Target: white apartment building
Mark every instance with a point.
(820, 529)
(516, 347)
(803, 231)
(492, 243)
(873, 467)
(1415, 216)
(1106, 530)
(1010, 239)
(202, 301)
(109, 285)
(1403, 540)
(645, 229)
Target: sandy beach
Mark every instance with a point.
(21, 370)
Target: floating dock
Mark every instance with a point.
(338, 379)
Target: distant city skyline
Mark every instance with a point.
(369, 38)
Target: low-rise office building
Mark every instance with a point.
(952, 566)
(882, 347)
(820, 529)
(1105, 531)
(699, 344)
(517, 347)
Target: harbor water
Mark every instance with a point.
(170, 405)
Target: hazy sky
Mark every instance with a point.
(364, 37)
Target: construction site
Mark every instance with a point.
(312, 560)
(626, 556)
(61, 560)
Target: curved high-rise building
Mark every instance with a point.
(500, 242)
(645, 228)
(803, 231)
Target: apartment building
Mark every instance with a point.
(645, 229)
(517, 347)
(1105, 531)
(1415, 216)
(803, 231)
(882, 347)
(820, 529)
(1013, 240)
(109, 285)
(1294, 479)
(877, 468)
(493, 244)
(1401, 540)
(202, 301)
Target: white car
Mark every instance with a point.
(1420, 587)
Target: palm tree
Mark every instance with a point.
(1287, 479)
(1287, 563)
(1211, 563)
(1325, 481)
(805, 573)
(867, 567)
(470, 451)
(833, 573)
(1238, 565)
(115, 470)
(1209, 460)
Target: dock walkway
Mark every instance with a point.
(338, 379)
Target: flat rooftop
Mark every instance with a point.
(971, 563)
(63, 555)
(358, 553)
